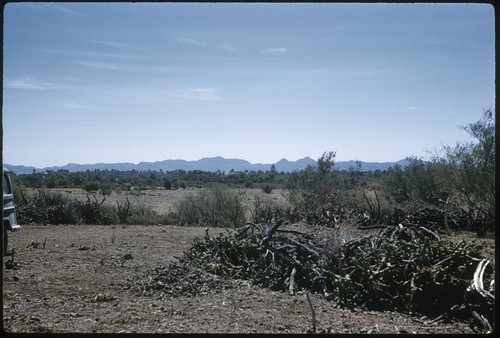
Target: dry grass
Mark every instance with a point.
(158, 200)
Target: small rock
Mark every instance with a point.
(99, 298)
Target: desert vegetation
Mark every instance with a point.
(460, 178)
(310, 240)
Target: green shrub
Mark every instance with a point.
(94, 212)
(139, 214)
(45, 208)
(167, 184)
(214, 206)
(105, 189)
(91, 186)
(267, 189)
(418, 182)
(464, 176)
(263, 210)
(314, 188)
(472, 167)
(124, 211)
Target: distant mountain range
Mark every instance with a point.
(212, 164)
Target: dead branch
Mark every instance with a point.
(313, 313)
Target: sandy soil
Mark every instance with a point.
(71, 279)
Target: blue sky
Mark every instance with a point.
(131, 82)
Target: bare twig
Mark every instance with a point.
(272, 231)
(313, 313)
(430, 232)
(292, 281)
(283, 255)
(296, 243)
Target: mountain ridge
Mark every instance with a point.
(212, 164)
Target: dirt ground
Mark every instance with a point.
(71, 279)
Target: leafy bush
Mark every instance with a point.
(267, 189)
(124, 211)
(94, 212)
(214, 206)
(464, 176)
(105, 189)
(45, 208)
(167, 184)
(417, 182)
(91, 186)
(48, 208)
(313, 188)
(263, 210)
(472, 167)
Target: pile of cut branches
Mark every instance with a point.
(445, 218)
(406, 269)
(452, 217)
(177, 279)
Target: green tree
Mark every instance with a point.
(418, 182)
(91, 186)
(272, 173)
(167, 184)
(472, 166)
(51, 183)
(314, 188)
(398, 185)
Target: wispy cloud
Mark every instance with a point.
(191, 42)
(228, 48)
(415, 108)
(203, 94)
(100, 65)
(74, 105)
(82, 52)
(63, 9)
(28, 83)
(275, 50)
(110, 43)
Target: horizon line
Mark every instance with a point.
(202, 158)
